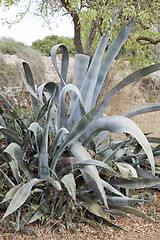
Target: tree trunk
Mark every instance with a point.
(77, 26)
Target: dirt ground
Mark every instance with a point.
(131, 97)
(135, 228)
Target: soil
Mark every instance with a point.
(130, 97)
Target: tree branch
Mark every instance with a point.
(147, 41)
(142, 24)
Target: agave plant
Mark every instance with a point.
(75, 130)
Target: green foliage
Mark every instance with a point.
(9, 46)
(9, 71)
(91, 19)
(45, 45)
(77, 131)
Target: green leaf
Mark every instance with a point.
(12, 111)
(55, 184)
(15, 170)
(62, 121)
(36, 216)
(9, 195)
(81, 62)
(89, 83)
(126, 170)
(64, 64)
(14, 150)
(111, 188)
(57, 140)
(93, 207)
(114, 201)
(11, 135)
(73, 135)
(20, 197)
(9, 181)
(111, 53)
(90, 173)
(81, 162)
(126, 81)
(29, 83)
(135, 183)
(43, 168)
(120, 124)
(26, 218)
(69, 182)
(143, 109)
(38, 133)
(135, 212)
(25, 168)
(52, 90)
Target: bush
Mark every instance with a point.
(9, 75)
(45, 45)
(9, 46)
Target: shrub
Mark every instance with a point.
(99, 165)
(9, 75)
(9, 46)
(45, 45)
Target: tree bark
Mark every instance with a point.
(90, 39)
(77, 26)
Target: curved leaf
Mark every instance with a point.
(111, 189)
(126, 81)
(9, 181)
(82, 163)
(52, 88)
(120, 124)
(135, 212)
(43, 168)
(60, 135)
(74, 134)
(135, 183)
(111, 53)
(29, 84)
(114, 201)
(93, 207)
(14, 150)
(89, 83)
(9, 195)
(20, 196)
(36, 216)
(11, 135)
(64, 63)
(81, 62)
(38, 134)
(90, 173)
(126, 169)
(12, 111)
(62, 105)
(55, 184)
(143, 109)
(69, 182)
